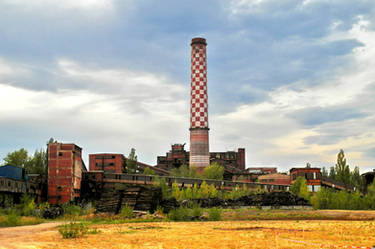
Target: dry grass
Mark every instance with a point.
(224, 234)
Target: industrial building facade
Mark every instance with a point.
(65, 167)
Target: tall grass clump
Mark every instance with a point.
(214, 214)
(73, 230)
(126, 212)
(179, 214)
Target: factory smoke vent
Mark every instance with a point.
(199, 146)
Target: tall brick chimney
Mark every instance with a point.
(199, 147)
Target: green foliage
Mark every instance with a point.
(330, 199)
(27, 205)
(185, 171)
(324, 172)
(299, 188)
(205, 190)
(72, 210)
(342, 169)
(12, 219)
(17, 158)
(213, 171)
(214, 214)
(176, 193)
(179, 214)
(73, 230)
(36, 164)
(197, 211)
(149, 171)
(126, 212)
(163, 186)
(131, 162)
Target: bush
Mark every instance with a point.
(214, 214)
(27, 205)
(12, 219)
(196, 210)
(126, 212)
(72, 210)
(73, 230)
(179, 214)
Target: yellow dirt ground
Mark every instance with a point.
(221, 234)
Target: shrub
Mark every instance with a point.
(214, 171)
(126, 212)
(72, 210)
(12, 219)
(27, 205)
(73, 230)
(179, 214)
(214, 214)
(197, 211)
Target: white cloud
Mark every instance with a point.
(118, 109)
(102, 5)
(269, 132)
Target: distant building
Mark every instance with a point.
(262, 170)
(233, 162)
(368, 179)
(65, 167)
(276, 178)
(107, 162)
(313, 177)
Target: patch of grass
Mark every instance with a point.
(73, 230)
(13, 219)
(179, 214)
(214, 214)
(126, 212)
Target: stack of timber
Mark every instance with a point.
(112, 199)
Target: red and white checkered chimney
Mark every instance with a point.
(199, 149)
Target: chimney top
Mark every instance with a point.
(198, 40)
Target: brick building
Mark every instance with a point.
(313, 177)
(276, 178)
(178, 156)
(107, 162)
(65, 168)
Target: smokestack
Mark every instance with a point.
(199, 149)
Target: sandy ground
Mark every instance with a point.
(24, 236)
(222, 234)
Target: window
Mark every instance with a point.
(310, 187)
(60, 153)
(59, 188)
(111, 164)
(314, 175)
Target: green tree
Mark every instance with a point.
(324, 172)
(205, 190)
(149, 171)
(131, 162)
(184, 171)
(38, 163)
(299, 187)
(342, 169)
(355, 178)
(332, 173)
(214, 171)
(18, 158)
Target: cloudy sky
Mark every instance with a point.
(291, 81)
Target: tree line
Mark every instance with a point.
(342, 173)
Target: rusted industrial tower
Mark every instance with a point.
(199, 147)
